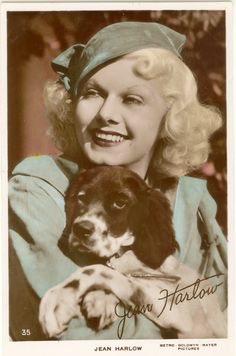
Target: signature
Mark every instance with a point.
(180, 295)
(195, 291)
(122, 312)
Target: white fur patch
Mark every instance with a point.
(102, 242)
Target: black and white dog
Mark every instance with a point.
(112, 214)
(110, 209)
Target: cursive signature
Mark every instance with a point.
(122, 312)
(195, 291)
(180, 295)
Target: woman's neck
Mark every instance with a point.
(140, 168)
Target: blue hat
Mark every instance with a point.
(79, 61)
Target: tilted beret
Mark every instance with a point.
(81, 60)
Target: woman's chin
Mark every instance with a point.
(106, 161)
(104, 158)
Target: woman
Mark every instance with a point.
(125, 98)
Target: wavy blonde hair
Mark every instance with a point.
(183, 141)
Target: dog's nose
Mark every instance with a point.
(83, 228)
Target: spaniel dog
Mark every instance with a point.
(125, 229)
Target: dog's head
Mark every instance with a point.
(110, 208)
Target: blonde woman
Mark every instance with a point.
(125, 98)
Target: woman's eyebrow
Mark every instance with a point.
(142, 89)
(92, 82)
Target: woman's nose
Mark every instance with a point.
(110, 110)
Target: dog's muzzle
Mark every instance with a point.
(83, 229)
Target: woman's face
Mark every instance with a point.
(118, 116)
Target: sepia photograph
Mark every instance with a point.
(118, 178)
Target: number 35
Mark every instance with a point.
(25, 332)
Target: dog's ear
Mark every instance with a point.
(70, 210)
(154, 233)
(135, 184)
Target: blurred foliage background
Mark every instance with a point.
(37, 37)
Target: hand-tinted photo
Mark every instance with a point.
(118, 176)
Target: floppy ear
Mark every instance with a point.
(71, 206)
(153, 230)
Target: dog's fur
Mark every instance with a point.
(112, 214)
(112, 208)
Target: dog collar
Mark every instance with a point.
(116, 255)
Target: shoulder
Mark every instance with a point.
(193, 184)
(194, 192)
(55, 170)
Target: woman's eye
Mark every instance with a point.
(91, 93)
(132, 99)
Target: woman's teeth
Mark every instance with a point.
(109, 137)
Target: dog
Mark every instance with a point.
(112, 208)
(125, 229)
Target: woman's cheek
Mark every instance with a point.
(87, 111)
(81, 113)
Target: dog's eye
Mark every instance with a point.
(82, 198)
(120, 203)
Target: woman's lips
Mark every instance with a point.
(108, 138)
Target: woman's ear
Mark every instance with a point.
(154, 233)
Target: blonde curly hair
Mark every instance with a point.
(183, 141)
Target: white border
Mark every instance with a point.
(225, 347)
(114, 5)
(3, 179)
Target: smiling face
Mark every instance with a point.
(118, 116)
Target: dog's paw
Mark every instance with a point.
(57, 308)
(98, 308)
